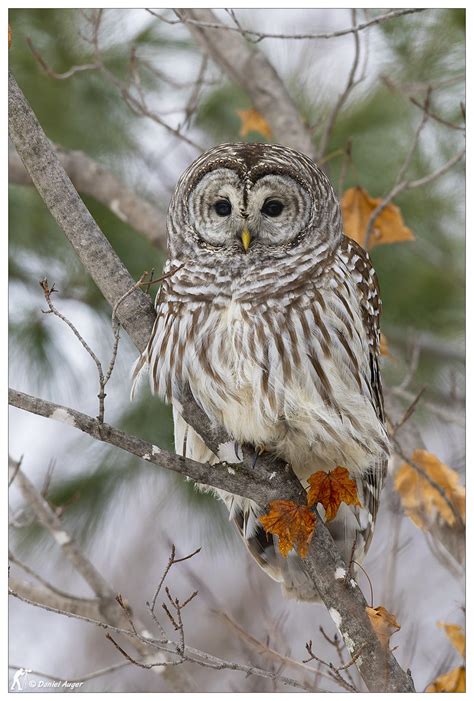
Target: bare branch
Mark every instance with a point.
(249, 67)
(212, 23)
(54, 590)
(59, 76)
(350, 85)
(402, 184)
(250, 481)
(266, 650)
(437, 118)
(91, 178)
(199, 657)
(449, 415)
(334, 671)
(137, 105)
(46, 597)
(56, 189)
(172, 561)
(48, 519)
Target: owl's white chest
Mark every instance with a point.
(255, 375)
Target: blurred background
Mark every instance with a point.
(126, 513)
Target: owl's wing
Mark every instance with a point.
(359, 265)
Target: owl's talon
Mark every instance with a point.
(236, 450)
(258, 452)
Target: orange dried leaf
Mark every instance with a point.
(456, 636)
(453, 681)
(293, 524)
(383, 622)
(384, 347)
(422, 502)
(331, 489)
(9, 35)
(254, 121)
(389, 227)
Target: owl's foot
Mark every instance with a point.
(258, 451)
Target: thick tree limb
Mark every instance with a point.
(136, 314)
(245, 64)
(91, 178)
(345, 601)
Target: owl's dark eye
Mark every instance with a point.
(272, 208)
(223, 208)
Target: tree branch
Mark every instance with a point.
(58, 193)
(246, 65)
(152, 646)
(43, 596)
(259, 36)
(91, 178)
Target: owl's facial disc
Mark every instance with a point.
(230, 212)
(215, 208)
(279, 209)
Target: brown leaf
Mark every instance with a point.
(422, 502)
(332, 488)
(453, 681)
(456, 636)
(254, 121)
(294, 525)
(389, 227)
(383, 622)
(384, 349)
(9, 35)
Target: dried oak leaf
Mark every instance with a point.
(331, 489)
(294, 525)
(422, 502)
(389, 227)
(254, 121)
(456, 635)
(453, 681)
(384, 347)
(383, 622)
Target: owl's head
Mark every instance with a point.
(251, 199)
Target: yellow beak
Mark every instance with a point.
(246, 239)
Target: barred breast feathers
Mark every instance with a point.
(279, 357)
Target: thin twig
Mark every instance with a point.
(41, 580)
(406, 164)
(59, 76)
(436, 117)
(408, 413)
(334, 671)
(350, 85)
(102, 379)
(259, 36)
(138, 105)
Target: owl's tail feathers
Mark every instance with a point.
(263, 547)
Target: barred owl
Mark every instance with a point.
(271, 316)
